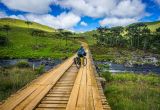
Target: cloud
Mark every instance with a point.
(82, 23)
(33, 6)
(103, 8)
(117, 21)
(92, 8)
(119, 12)
(129, 8)
(157, 1)
(64, 20)
(3, 14)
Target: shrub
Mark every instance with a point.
(23, 64)
(3, 40)
(107, 75)
(40, 69)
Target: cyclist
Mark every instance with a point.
(81, 52)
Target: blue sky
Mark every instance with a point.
(82, 15)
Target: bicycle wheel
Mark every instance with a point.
(77, 62)
(84, 61)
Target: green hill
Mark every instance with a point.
(33, 41)
(23, 24)
(91, 40)
(153, 25)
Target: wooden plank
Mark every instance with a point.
(55, 98)
(12, 102)
(54, 102)
(52, 105)
(81, 101)
(58, 95)
(50, 109)
(90, 101)
(74, 94)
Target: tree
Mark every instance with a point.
(158, 30)
(7, 28)
(101, 38)
(60, 34)
(28, 23)
(3, 40)
(146, 37)
(67, 33)
(116, 34)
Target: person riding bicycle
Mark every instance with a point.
(81, 60)
(81, 52)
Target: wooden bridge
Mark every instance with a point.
(63, 88)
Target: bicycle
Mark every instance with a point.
(79, 61)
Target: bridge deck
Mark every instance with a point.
(63, 88)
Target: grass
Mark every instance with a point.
(23, 24)
(153, 25)
(12, 79)
(119, 55)
(128, 91)
(23, 45)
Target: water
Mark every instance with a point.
(48, 63)
(113, 67)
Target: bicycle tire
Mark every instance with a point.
(84, 61)
(77, 62)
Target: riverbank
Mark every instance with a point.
(128, 91)
(124, 56)
(16, 73)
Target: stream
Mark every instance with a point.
(120, 68)
(48, 63)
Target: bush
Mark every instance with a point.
(40, 69)
(23, 64)
(3, 40)
(107, 75)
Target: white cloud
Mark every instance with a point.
(129, 8)
(119, 12)
(117, 21)
(103, 8)
(158, 1)
(3, 14)
(92, 8)
(64, 20)
(82, 23)
(33, 6)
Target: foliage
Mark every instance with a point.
(3, 41)
(127, 91)
(23, 64)
(40, 69)
(107, 75)
(6, 28)
(45, 43)
(136, 36)
(12, 79)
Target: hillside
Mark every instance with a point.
(23, 24)
(91, 40)
(153, 25)
(33, 41)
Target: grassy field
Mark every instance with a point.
(128, 91)
(23, 24)
(23, 45)
(12, 79)
(153, 25)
